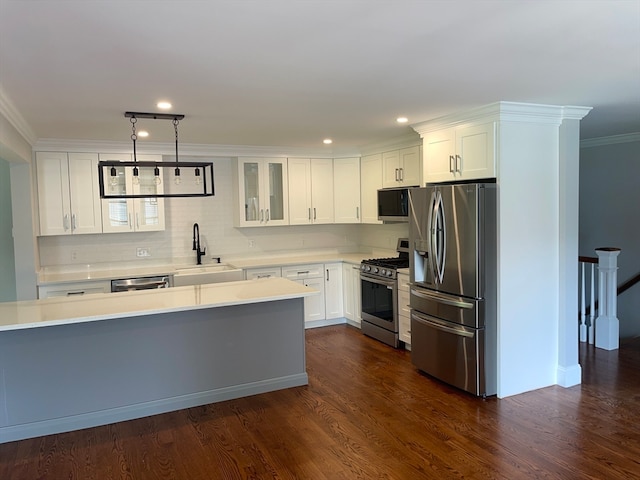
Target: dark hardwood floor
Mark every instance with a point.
(366, 413)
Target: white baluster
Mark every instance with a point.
(583, 314)
(607, 323)
(592, 309)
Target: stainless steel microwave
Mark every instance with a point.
(393, 204)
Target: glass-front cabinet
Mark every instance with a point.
(133, 214)
(261, 192)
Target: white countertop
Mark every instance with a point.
(81, 273)
(104, 306)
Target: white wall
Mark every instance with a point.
(214, 215)
(610, 213)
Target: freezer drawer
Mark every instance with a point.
(452, 353)
(465, 311)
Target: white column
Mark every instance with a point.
(607, 323)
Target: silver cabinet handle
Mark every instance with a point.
(459, 163)
(73, 222)
(358, 213)
(401, 174)
(262, 214)
(263, 276)
(130, 224)
(268, 218)
(314, 213)
(327, 274)
(452, 166)
(137, 221)
(69, 294)
(65, 222)
(309, 213)
(397, 178)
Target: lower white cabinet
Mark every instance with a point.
(74, 289)
(333, 291)
(404, 311)
(351, 290)
(310, 276)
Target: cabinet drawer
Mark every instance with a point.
(255, 273)
(403, 302)
(298, 272)
(74, 289)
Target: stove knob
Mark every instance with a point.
(376, 270)
(383, 272)
(390, 273)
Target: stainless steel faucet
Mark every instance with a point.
(196, 244)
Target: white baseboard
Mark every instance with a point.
(570, 376)
(325, 322)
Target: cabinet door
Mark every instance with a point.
(117, 213)
(300, 191)
(314, 304)
(438, 156)
(391, 169)
(54, 201)
(410, 166)
(249, 192)
(370, 182)
(351, 284)
(148, 212)
(322, 190)
(475, 149)
(346, 190)
(276, 192)
(333, 291)
(84, 192)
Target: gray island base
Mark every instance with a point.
(66, 377)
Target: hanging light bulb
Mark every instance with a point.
(156, 176)
(113, 181)
(136, 177)
(177, 180)
(198, 178)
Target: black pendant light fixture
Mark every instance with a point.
(201, 186)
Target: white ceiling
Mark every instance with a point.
(290, 73)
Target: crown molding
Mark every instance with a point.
(190, 149)
(505, 111)
(408, 140)
(610, 140)
(17, 121)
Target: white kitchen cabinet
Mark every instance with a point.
(133, 214)
(260, 192)
(333, 291)
(346, 190)
(310, 191)
(404, 311)
(74, 289)
(351, 288)
(68, 193)
(460, 153)
(370, 183)
(256, 273)
(311, 276)
(402, 168)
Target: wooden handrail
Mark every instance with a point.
(629, 283)
(588, 259)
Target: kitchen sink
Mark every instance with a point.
(201, 274)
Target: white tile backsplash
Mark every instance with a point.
(214, 216)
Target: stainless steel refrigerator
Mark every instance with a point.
(452, 233)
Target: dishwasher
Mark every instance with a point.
(141, 283)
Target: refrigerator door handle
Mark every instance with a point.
(438, 325)
(438, 235)
(441, 299)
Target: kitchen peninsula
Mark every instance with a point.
(72, 363)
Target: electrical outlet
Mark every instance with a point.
(143, 252)
(251, 244)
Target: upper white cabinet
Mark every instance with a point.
(261, 192)
(370, 183)
(346, 190)
(133, 214)
(310, 191)
(460, 153)
(401, 168)
(68, 193)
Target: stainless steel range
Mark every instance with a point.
(379, 295)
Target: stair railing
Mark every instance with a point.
(604, 329)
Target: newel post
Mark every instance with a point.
(607, 323)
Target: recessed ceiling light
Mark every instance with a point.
(164, 105)
(143, 133)
(327, 141)
(402, 119)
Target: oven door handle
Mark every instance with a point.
(389, 284)
(439, 325)
(441, 298)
